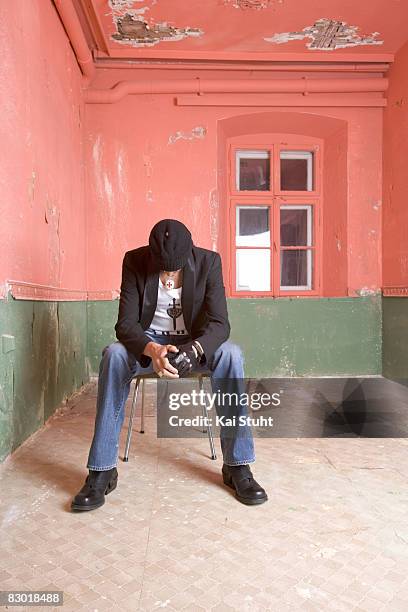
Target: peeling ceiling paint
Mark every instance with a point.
(124, 4)
(132, 28)
(225, 29)
(328, 34)
(249, 4)
(138, 33)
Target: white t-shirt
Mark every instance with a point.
(168, 316)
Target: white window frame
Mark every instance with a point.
(246, 287)
(248, 154)
(308, 155)
(237, 235)
(308, 208)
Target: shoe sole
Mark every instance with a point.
(112, 484)
(244, 500)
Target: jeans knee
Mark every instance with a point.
(233, 351)
(114, 349)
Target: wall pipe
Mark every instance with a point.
(133, 64)
(71, 23)
(200, 86)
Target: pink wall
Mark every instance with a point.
(42, 230)
(148, 158)
(335, 214)
(395, 213)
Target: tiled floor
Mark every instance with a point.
(333, 535)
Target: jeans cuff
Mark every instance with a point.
(244, 462)
(100, 469)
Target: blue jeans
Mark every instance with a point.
(117, 369)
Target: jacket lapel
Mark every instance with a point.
(187, 292)
(150, 294)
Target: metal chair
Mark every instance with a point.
(142, 378)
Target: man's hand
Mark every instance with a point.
(186, 359)
(158, 354)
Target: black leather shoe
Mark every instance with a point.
(97, 485)
(247, 490)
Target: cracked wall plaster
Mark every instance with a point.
(197, 132)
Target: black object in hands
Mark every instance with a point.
(185, 360)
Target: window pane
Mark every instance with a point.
(296, 170)
(252, 170)
(253, 270)
(296, 269)
(296, 225)
(252, 226)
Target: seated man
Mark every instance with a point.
(172, 302)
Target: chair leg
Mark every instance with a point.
(143, 406)
(132, 412)
(209, 426)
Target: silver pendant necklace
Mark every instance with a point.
(169, 283)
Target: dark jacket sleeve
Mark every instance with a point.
(218, 328)
(128, 328)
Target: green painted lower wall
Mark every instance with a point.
(284, 337)
(102, 317)
(308, 337)
(43, 360)
(395, 337)
(49, 349)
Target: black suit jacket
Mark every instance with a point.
(202, 299)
